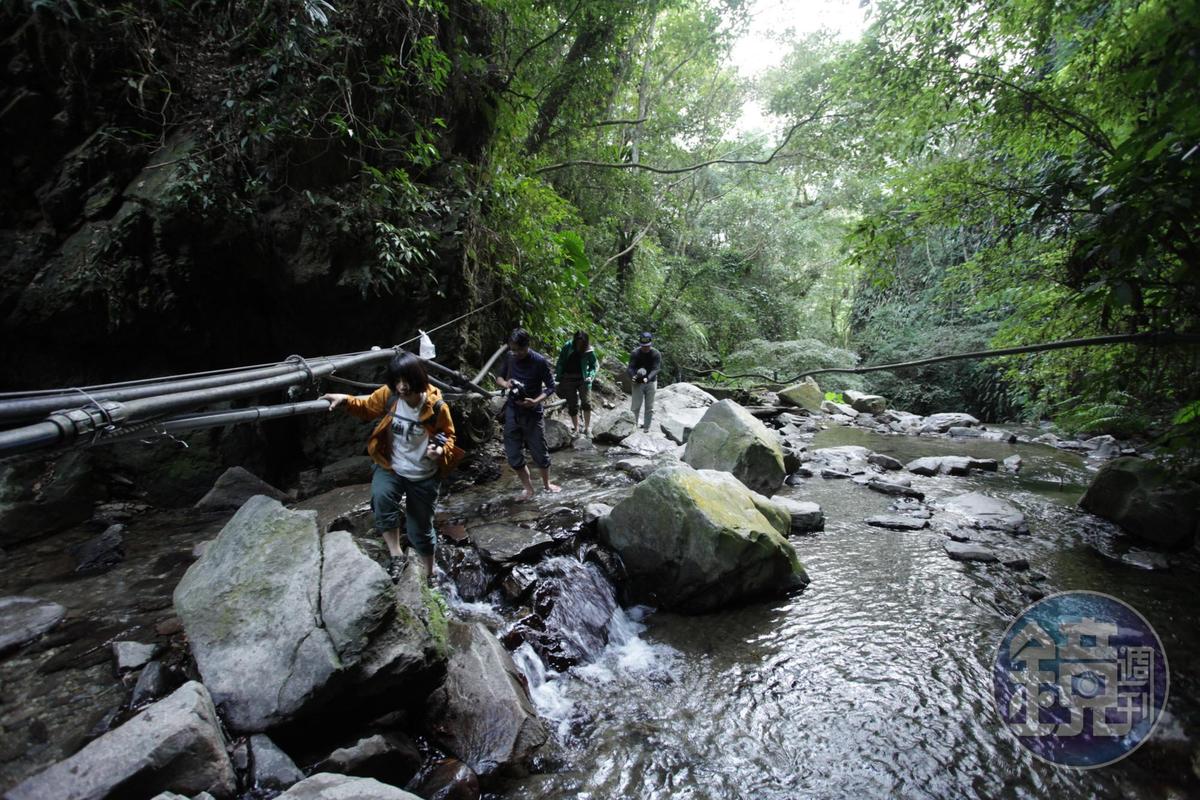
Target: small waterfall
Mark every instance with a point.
(587, 625)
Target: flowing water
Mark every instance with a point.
(876, 680)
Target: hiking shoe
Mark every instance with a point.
(396, 567)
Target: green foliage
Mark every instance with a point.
(1121, 415)
(1039, 160)
(835, 397)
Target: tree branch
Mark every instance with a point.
(677, 170)
(1153, 339)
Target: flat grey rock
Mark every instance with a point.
(969, 551)
(23, 619)
(502, 542)
(894, 488)
(327, 786)
(131, 655)
(987, 513)
(884, 462)
(897, 523)
(806, 517)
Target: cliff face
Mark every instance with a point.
(205, 185)
(189, 189)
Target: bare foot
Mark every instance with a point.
(553, 488)
(526, 496)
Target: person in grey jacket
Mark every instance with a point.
(644, 364)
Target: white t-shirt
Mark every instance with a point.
(409, 441)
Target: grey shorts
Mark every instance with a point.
(521, 430)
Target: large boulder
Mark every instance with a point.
(482, 713)
(273, 613)
(23, 619)
(251, 609)
(326, 786)
(235, 486)
(865, 403)
(678, 409)
(356, 595)
(806, 394)
(558, 435)
(699, 540)
(1146, 501)
(613, 426)
(941, 423)
(729, 439)
(174, 745)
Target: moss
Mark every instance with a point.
(438, 620)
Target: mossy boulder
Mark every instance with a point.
(806, 394)
(1147, 501)
(282, 621)
(697, 540)
(729, 439)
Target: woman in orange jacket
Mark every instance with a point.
(413, 448)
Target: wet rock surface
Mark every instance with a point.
(102, 552)
(1147, 501)
(482, 712)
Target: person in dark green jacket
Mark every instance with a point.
(574, 373)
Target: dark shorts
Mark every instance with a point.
(389, 490)
(524, 429)
(576, 392)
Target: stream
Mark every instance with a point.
(876, 680)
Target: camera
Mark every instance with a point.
(516, 389)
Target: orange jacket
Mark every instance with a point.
(379, 404)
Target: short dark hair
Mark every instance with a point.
(581, 340)
(408, 368)
(519, 337)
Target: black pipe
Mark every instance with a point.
(47, 433)
(31, 408)
(219, 419)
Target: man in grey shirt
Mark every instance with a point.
(644, 364)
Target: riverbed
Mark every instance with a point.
(876, 680)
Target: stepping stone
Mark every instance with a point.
(968, 551)
(894, 523)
